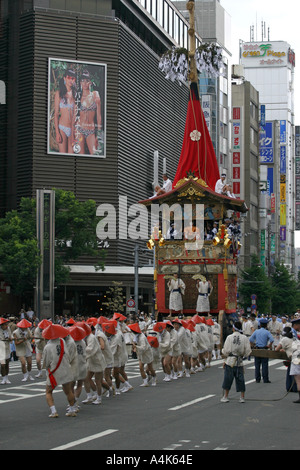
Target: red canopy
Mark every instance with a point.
(197, 153)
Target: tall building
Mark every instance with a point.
(245, 160)
(269, 66)
(118, 44)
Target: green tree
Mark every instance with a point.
(254, 281)
(285, 293)
(19, 253)
(115, 298)
(75, 236)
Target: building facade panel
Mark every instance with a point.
(144, 113)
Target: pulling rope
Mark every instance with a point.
(274, 399)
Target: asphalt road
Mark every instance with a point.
(174, 419)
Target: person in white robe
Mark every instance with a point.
(144, 354)
(175, 352)
(220, 184)
(236, 347)
(95, 368)
(217, 340)
(57, 364)
(275, 327)
(156, 364)
(185, 347)
(5, 341)
(177, 289)
(40, 344)
(202, 341)
(109, 359)
(204, 289)
(22, 338)
(164, 339)
(78, 334)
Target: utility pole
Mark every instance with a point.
(137, 250)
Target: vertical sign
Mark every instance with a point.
(206, 107)
(263, 240)
(237, 146)
(282, 125)
(283, 132)
(297, 176)
(266, 144)
(283, 159)
(273, 203)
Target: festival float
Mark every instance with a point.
(190, 255)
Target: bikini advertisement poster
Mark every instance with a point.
(76, 108)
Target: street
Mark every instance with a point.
(177, 418)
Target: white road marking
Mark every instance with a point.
(85, 439)
(189, 403)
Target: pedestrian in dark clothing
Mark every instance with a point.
(262, 339)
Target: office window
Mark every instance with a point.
(160, 11)
(171, 16)
(166, 17)
(154, 10)
(253, 136)
(176, 28)
(253, 111)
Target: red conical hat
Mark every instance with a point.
(196, 319)
(102, 320)
(197, 153)
(70, 322)
(85, 326)
(77, 332)
(119, 317)
(44, 323)
(135, 327)
(109, 327)
(209, 321)
(190, 326)
(153, 341)
(3, 320)
(159, 326)
(24, 324)
(55, 331)
(92, 321)
(176, 320)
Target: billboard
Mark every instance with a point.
(265, 54)
(76, 108)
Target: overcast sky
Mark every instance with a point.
(282, 17)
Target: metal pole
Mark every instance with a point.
(136, 277)
(45, 223)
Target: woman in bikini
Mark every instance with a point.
(90, 115)
(64, 112)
